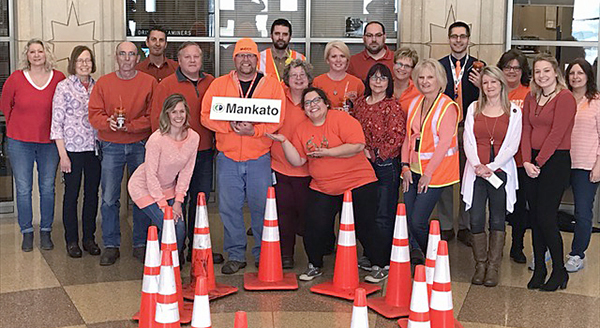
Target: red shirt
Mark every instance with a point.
(159, 73)
(547, 128)
(361, 63)
(485, 128)
(28, 110)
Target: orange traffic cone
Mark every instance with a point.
(396, 302)
(419, 304)
(360, 314)
(241, 320)
(432, 246)
(167, 309)
(201, 317)
(270, 274)
(202, 258)
(169, 244)
(441, 309)
(345, 275)
(150, 282)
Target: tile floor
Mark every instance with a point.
(49, 289)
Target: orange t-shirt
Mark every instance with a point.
(334, 175)
(350, 87)
(294, 115)
(517, 97)
(407, 96)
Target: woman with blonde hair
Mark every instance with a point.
(548, 117)
(164, 177)
(27, 106)
(491, 138)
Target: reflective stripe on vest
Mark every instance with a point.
(267, 66)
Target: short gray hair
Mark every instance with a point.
(306, 66)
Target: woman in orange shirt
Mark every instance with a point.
(517, 73)
(341, 88)
(405, 59)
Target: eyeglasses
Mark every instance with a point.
(377, 78)
(245, 56)
(512, 68)
(125, 54)
(314, 102)
(404, 66)
(458, 36)
(84, 61)
(371, 35)
(298, 76)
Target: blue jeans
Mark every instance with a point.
(22, 155)
(584, 193)
(156, 216)
(418, 210)
(114, 158)
(388, 184)
(201, 182)
(239, 181)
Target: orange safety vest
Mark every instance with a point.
(267, 66)
(447, 172)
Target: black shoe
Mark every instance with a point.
(517, 255)
(537, 280)
(558, 279)
(465, 237)
(27, 244)
(46, 241)
(218, 258)
(73, 250)
(109, 256)
(447, 235)
(91, 247)
(140, 253)
(249, 232)
(231, 267)
(287, 262)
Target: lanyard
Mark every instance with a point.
(249, 88)
(460, 75)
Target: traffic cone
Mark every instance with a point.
(270, 274)
(169, 244)
(345, 275)
(396, 302)
(201, 315)
(360, 314)
(419, 303)
(441, 308)
(150, 281)
(167, 309)
(202, 257)
(432, 246)
(241, 320)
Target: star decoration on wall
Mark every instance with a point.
(66, 36)
(438, 36)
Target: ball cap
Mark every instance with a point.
(245, 45)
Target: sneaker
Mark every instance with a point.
(574, 263)
(364, 263)
(531, 265)
(311, 273)
(231, 267)
(377, 275)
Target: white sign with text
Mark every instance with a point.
(245, 109)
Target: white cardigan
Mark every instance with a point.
(504, 160)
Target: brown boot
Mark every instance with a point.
(494, 258)
(480, 255)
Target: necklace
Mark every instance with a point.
(538, 110)
(491, 135)
(550, 94)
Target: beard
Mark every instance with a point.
(374, 51)
(280, 45)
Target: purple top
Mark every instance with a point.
(70, 115)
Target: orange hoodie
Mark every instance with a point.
(236, 147)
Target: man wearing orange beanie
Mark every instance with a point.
(243, 161)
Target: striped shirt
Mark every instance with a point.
(585, 138)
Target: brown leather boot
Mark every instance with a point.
(494, 258)
(480, 255)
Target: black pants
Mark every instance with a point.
(544, 194)
(88, 165)
(321, 213)
(519, 218)
(484, 192)
(291, 193)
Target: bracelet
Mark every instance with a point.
(404, 169)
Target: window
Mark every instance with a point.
(253, 18)
(178, 17)
(349, 17)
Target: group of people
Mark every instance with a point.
(376, 122)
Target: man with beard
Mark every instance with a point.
(157, 64)
(273, 60)
(375, 51)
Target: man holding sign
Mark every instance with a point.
(241, 107)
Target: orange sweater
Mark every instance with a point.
(134, 95)
(178, 83)
(236, 147)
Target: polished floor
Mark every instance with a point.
(49, 289)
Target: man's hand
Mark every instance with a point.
(243, 128)
(475, 78)
(112, 122)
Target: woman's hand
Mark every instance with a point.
(406, 180)
(65, 164)
(276, 137)
(483, 171)
(177, 211)
(533, 171)
(423, 184)
(595, 173)
(320, 152)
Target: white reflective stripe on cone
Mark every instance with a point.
(271, 210)
(347, 216)
(167, 313)
(152, 254)
(429, 272)
(441, 301)
(201, 312)
(175, 257)
(201, 217)
(167, 281)
(400, 254)
(150, 284)
(168, 233)
(418, 302)
(201, 241)
(442, 273)
(346, 238)
(360, 317)
(399, 231)
(270, 234)
(418, 324)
